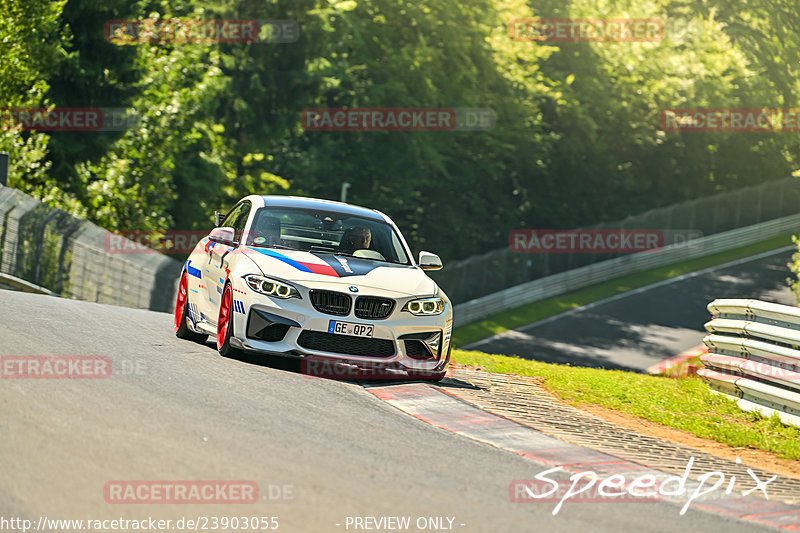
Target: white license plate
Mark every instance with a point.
(348, 328)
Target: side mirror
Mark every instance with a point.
(217, 219)
(222, 236)
(429, 261)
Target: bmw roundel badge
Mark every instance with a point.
(353, 289)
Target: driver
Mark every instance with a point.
(356, 238)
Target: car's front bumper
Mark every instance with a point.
(402, 345)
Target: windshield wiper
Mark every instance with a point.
(282, 247)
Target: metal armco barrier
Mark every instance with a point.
(754, 356)
(55, 251)
(586, 276)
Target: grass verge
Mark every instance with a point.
(685, 404)
(520, 316)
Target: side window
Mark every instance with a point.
(240, 220)
(229, 219)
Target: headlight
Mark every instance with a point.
(271, 287)
(425, 306)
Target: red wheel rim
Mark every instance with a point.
(180, 302)
(224, 317)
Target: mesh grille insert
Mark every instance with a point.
(345, 344)
(331, 303)
(374, 308)
(417, 349)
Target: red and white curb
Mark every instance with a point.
(671, 362)
(445, 410)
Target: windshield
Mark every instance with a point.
(326, 232)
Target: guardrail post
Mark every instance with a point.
(4, 169)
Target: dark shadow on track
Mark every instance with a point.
(640, 329)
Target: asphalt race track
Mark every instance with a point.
(640, 328)
(319, 450)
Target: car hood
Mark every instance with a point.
(323, 270)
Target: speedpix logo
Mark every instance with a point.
(589, 487)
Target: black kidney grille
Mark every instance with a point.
(331, 303)
(373, 308)
(345, 344)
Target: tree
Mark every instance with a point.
(31, 44)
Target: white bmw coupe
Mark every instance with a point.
(328, 282)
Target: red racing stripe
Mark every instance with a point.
(316, 268)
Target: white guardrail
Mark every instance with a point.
(754, 356)
(578, 278)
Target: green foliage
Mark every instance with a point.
(794, 266)
(30, 41)
(684, 404)
(577, 139)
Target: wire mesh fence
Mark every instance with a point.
(54, 250)
(502, 268)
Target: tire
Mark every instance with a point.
(225, 325)
(182, 331)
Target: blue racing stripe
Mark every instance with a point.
(192, 271)
(281, 257)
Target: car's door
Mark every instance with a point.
(218, 258)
